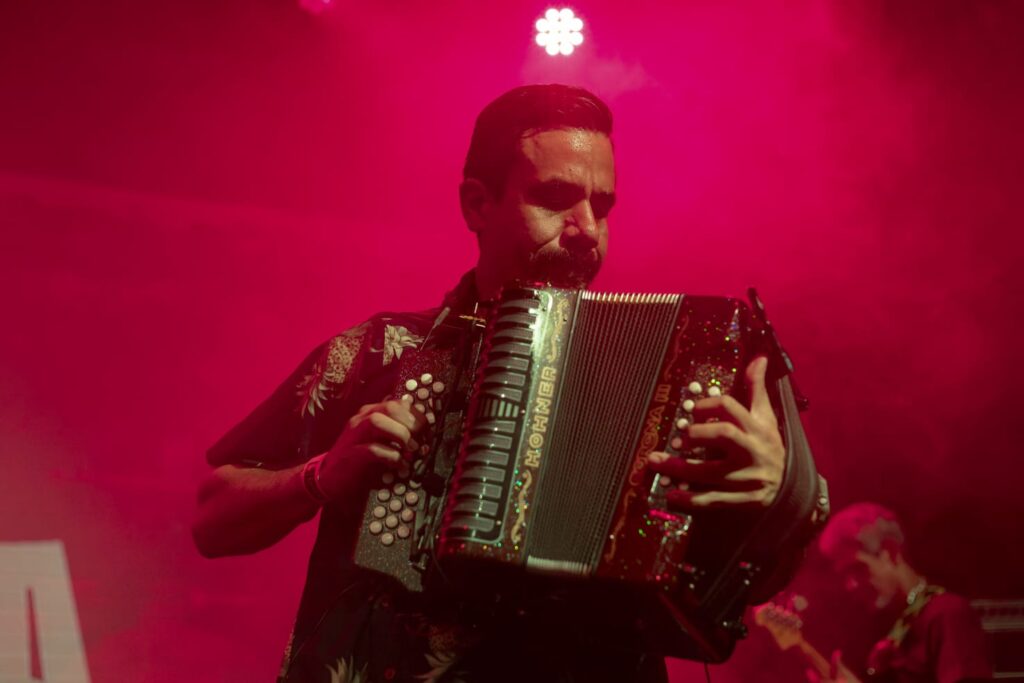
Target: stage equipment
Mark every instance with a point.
(559, 32)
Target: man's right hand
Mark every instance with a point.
(838, 672)
(378, 435)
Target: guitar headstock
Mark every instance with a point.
(781, 623)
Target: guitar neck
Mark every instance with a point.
(814, 657)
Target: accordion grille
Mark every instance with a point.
(616, 349)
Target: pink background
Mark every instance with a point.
(193, 194)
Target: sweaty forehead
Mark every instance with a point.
(571, 154)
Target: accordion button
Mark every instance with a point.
(383, 494)
(410, 385)
(407, 515)
(427, 378)
(714, 391)
(407, 398)
(664, 480)
(412, 498)
(379, 511)
(398, 489)
(413, 484)
(688, 405)
(676, 443)
(376, 527)
(682, 423)
(695, 388)
(391, 521)
(438, 387)
(388, 477)
(387, 538)
(431, 418)
(423, 393)
(395, 504)
(402, 531)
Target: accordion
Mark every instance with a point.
(536, 473)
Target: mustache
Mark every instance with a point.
(562, 267)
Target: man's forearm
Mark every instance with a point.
(242, 510)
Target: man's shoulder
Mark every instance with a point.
(947, 611)
(388, 333)
(388, 326)
(948, 603)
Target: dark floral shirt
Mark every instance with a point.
(359, 626)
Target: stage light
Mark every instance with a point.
(559, 31)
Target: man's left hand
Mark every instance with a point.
(751, 470)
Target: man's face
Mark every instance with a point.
(551, 223)
(873, 578)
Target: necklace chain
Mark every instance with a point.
(916, 591)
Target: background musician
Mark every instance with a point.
(935, 636)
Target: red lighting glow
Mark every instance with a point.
(315, 6)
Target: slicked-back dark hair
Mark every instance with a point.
(527, 109)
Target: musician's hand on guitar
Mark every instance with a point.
(379, 434)
(839, 672)
(751, 471)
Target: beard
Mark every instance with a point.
(563, 268)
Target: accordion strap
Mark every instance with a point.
(800, 509)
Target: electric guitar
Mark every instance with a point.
(785, 628)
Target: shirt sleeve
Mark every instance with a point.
(956, 642)
(305, 413)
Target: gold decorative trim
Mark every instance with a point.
(516, 534)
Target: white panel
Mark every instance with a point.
(39, 566)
